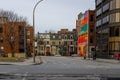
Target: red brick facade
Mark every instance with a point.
(15, 33)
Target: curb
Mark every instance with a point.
(37, 63)
(105, 60)
(6, 64)
(108, 61)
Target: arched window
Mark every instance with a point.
(71, 36)
(65, 37)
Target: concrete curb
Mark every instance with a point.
(105, 60)
(27, 62)
(5, 64)
(108, 61)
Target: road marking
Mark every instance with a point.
(26, 74)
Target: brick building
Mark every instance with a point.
(63, 43)
(86, 32)
(13, 38)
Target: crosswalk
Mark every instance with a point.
(76, 62)
(58, 60)
(49, 77)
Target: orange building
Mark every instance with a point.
(13, 38)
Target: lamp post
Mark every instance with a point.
(34, 28)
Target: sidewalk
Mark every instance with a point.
(108, 60)
(26, 62)
(113, 61)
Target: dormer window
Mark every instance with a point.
(54, 37)
(59, 37)
(65, 37)
(71, 36)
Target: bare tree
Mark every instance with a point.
(51, 31)
(10, 34)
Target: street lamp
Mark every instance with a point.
(34, 28)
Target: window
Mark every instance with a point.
(28, 40)
(2, 48)
(111, 31)
(98, 2)
(53, 43)
(65, 43)
(71, 36)
(71, 42)
(47, 36)
(41, 36)
(59, 37)
(114, 4)
(59, 43)
(91, 17)
(106, 7)
(54, 37)
(117, 3)
(65, 37)
(91, 40)
(114, 31)
(21, 50)
(112, 18)
(98, 12)
(117, 32)
(98, 23)
(105, 20)
(1, 29)
(41, 48)
(11, 29)
(91, 30)
(1, 39)
(117, 17)
(47, 42)
(28, 32)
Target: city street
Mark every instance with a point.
(67, 68)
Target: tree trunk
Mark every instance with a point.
(12, 48)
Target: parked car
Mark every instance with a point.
(117, 56)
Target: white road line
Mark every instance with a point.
(26, 74)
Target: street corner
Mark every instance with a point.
(37, 63)
(38, 60)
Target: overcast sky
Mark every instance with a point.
(50, 14)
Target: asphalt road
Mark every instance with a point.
(61, 68)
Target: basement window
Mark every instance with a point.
(1, 29)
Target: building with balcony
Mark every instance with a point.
(13, 38)
(107, 27)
